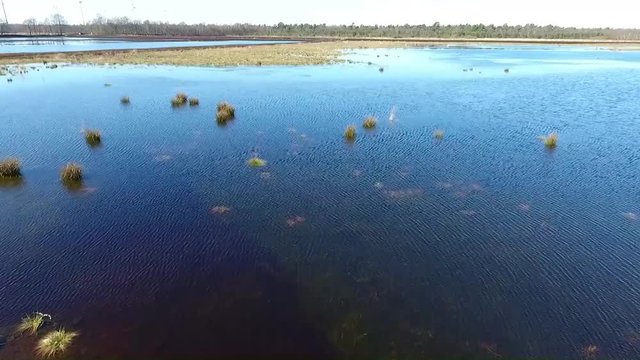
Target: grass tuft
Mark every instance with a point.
(32, 323)
(350, 133)
(194, 102)
(179, 100)
(93, 137)
(438, 134)
(10, 168)
(55, 343)
(71, 173)
(370, 122)
(256, 162)
(225, 112)
(550, 141)
(125, 100)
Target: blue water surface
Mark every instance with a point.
(71, 44)
(398, 245)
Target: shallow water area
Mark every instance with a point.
(481, 244)
(15, 45)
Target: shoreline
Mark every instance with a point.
(160, 38)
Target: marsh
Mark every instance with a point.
(483, 243)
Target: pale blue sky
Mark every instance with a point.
(581, 13)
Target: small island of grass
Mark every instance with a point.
(10, 168)
(256, 162)
(225, 112)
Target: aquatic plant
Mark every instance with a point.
(256, 162)
(194, 102)
(381, 69)
(506, 71)
(93, 137)
(10, 168)
(71, 172)
(550, 141)
(438, 134)
(220, 210)
(125, 100)
(107, 85)
(55, 342)
(370, 122)
(350, 132)
(32, 323)
(179, 100)
(226, 112)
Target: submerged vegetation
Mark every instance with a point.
(55, 343)
(225, 112)
(179, 100)
(71, 173)
(93, 137)
(32, 323)
(550, 141)
(10, 168)
(350, 133)
(370, 122)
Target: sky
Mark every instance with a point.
(579, 13)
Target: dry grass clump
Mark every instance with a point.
(71, 173)
(10, 168)
(256, 162)
(225, 112)
(179, 100)
(32, 323)
(93, 137)
(350, 133)
(55, 343)
(550, 141)
(370, 122)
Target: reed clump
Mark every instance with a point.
(55, 343)
(256, 162)
(550, 141)
(370, 122)
(32, 323)
(71, 173)
(93, 137)
(179, 100)
(438, 134)
(350, 133)
(194, 101)
(125, 100)
(226, 112)
(10, 168)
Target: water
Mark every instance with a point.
(484, 244)
(43, 45)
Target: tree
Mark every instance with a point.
(31, 25)
(58, 21)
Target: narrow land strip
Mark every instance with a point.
(306, 53)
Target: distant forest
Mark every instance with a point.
(101, 26)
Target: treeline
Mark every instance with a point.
(101, 26)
